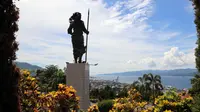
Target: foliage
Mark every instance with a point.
(123, 93)
(105, 105)
(103, 93)
(132, 103)
(149, 86)
(33, 100)
(196, 5)
(94, 93)
(171, 101)
(93, 108)
(195, 106)
(195, 90)
(9, 76)
(107, 93)
(195, 85)
(50, 77)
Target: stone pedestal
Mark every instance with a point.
(77, 76)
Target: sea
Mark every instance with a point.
(179, 82)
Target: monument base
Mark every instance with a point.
(77, 76)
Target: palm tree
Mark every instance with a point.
(9, 73)
(155, 83)
(141, 85)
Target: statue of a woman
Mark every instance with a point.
(78, 27)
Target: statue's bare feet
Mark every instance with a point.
(75, 61)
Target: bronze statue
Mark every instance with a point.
(78, 27)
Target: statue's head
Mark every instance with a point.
(75, 16)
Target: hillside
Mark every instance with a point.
(24, 65)
(175, 72)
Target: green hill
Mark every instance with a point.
(24, 65)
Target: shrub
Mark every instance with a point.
(93, 108)
(132, 103)
(105, 105)
(32, 100)
(173, 102)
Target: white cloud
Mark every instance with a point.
(176, 58)
(117, 34)
(149, 62)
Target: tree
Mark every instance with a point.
(94, 93)
(148, 85)
(196, 80)
(141, 84)
(103, 94)
(123, 93)
(50, 77)
(107, 93)
(154, 83)
(195, 90)
(9, 73)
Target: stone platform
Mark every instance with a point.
(77, 75)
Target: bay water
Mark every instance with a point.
(180, 82)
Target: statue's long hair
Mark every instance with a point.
(76, 16)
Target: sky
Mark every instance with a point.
(125, 35)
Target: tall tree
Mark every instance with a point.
(195, 90)
(50, 77)
(148, 85)
(196, 80)
(9, 74)
(141, 83)
(155, 84)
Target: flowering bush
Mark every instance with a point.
(131, 103)
(64, 99)
(173, 102)
(93, 108)
(29, 94)
(169, 102)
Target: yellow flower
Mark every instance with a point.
(28, 78)
(78, 98)
(32, 79)
(25, 92)
(165, 102)
(142, 104)
(156, 101)
(60, 86)
(150, 108)
(173, 103)
(156, 110)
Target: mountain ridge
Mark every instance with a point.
(25, 65)
(172, 72)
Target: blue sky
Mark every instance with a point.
(124, 35)
(179, 16)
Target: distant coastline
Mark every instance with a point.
(174, 72)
